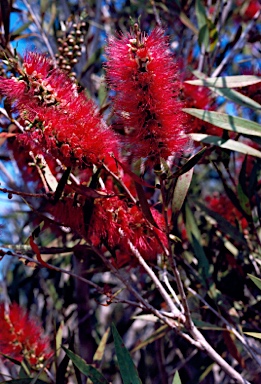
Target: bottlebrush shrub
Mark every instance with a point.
(141, 70)
(21, 337)
(56, 115)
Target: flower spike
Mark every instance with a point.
(141, 70)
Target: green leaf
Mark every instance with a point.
(144, 204)
(17, 362)
(255, 280)
(253, 334)
(203, 37)
(44, 4)
(87, 369)
(58, 339)
(206, 372)
(158, 334)
(186, 21)
(223, 225)
(224, 82)
(24, 371)
(206, 325)
(228, 122)
(213, 35)
(176, 378)
(194, 236)
(181, 190)
(97, 358)
(237, 97)
(18, 31)
(215, 85)
(128, 370)
(241, 190)
(201, 14)
(192, 161)
(230, 144)
(61, 185)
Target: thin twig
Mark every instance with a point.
(25, 194)
(175, 311)
(14, 121)
(229, 327)
(38, 25)
(156, 13)
(171, 290)
(57, 269)
(237, 46)
(40, 172)
(121, 183)
(173, 264)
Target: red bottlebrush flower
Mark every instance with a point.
(112, 215)
(198, 97)
(59, 118)
(70, 213)
(141, 70)
(21, 337)
(253, 7)
(223, 206)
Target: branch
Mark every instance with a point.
(237, 46)
(38, 25)
(229, 327)
(174, 310)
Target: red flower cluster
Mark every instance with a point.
(21, 337)
(253, 7)
(113, 223)
(58, 117)
(112, 215)
(223, 205)
(140, 69)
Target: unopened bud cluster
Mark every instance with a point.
(70, 48)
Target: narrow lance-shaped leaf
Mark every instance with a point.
(192, 161)
(88, 370)
(228, 122)
(223, 225)
(224, 82)
(201, 14)
(176, 378)
(61, 185)
(255, 280)
(128, 370)
(237, 97)
(232, 195)
(203, 36)
(230, 144)
(181, 190)
(158, 334)
(144, 204)
(97, 358)
(188, 23)
(195, 239)
(242, 189)
(216, 86)
(253, 334)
